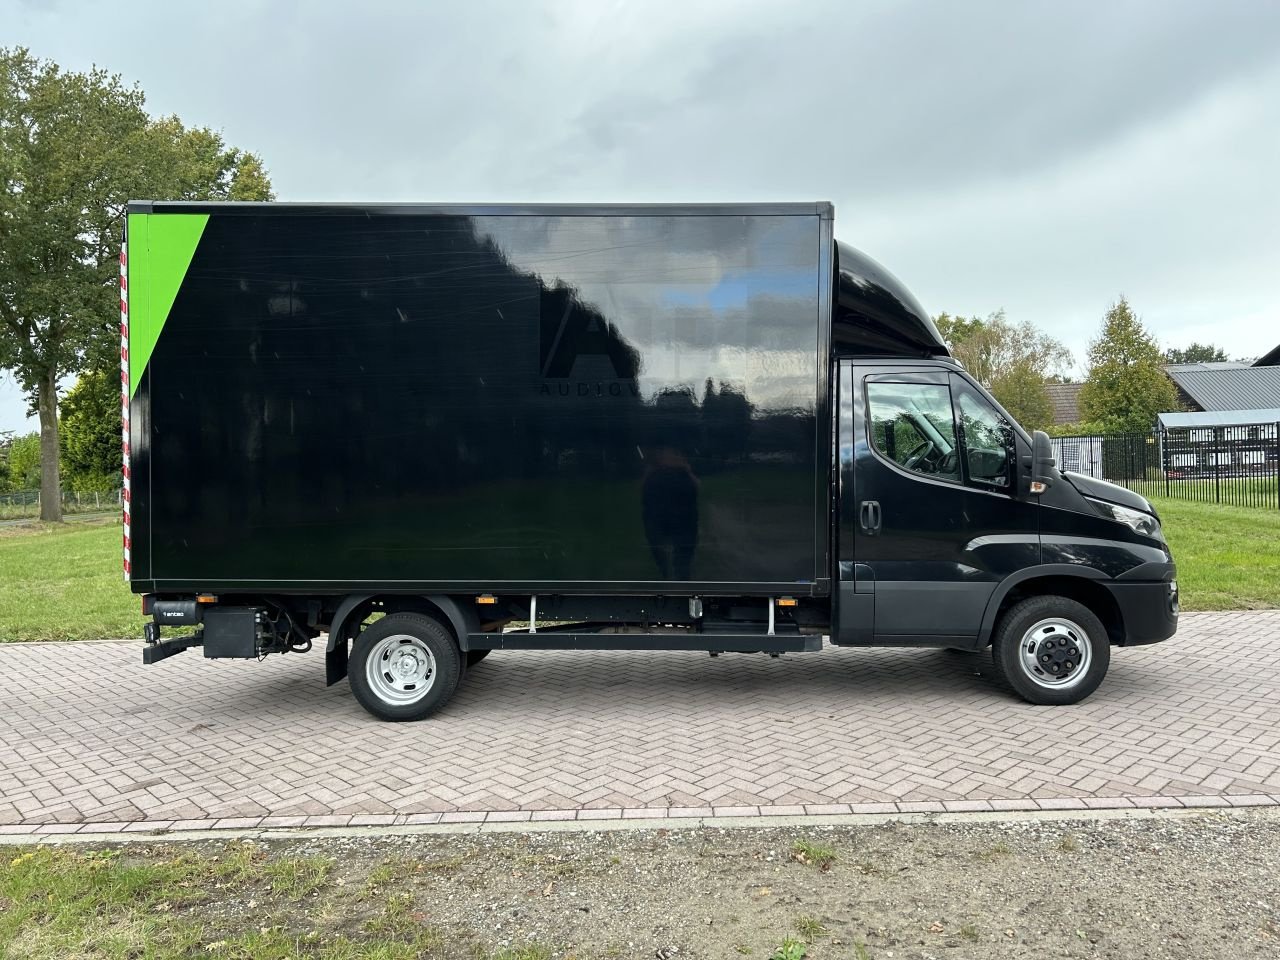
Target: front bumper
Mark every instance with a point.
(1148, 607)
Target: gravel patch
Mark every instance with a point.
(1198, 886)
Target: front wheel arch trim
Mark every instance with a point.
(989, 617)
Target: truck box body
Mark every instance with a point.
(607, 399)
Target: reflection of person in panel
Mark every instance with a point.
(670, 505)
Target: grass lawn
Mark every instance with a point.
(64, 582)
(1228, 557)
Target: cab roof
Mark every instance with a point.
(876, 315)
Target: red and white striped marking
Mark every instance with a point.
(124, 392)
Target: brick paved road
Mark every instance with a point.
(91, 736)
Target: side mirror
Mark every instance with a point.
(1044, 466)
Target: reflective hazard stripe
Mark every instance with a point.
(124, 396)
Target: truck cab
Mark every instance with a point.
(955, 528)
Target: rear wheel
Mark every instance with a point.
(404, 666)
(1051, 650)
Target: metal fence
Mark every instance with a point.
(1237, 465)
(25, 504)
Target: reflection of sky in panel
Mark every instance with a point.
(737, 288)
(711, 279)
(846, 416)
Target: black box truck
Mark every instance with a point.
(415, 434)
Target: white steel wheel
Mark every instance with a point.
(400, 669)
(1055, 653)
(404, 666)
(1051, 650)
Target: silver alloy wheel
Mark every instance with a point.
(400, 669)
(1055, 653)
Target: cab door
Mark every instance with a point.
(930, 521)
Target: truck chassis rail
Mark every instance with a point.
(714, 642)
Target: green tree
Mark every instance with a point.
(1196, 353)
(89, 432)
(6, 438)
(1022, 392)
(1012, 360)
(956, 330)
(24, 462)
(74, 148)
(1126, 386)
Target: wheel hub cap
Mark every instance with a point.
(401, 669)
(1056, 653)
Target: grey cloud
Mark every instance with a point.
(1039, 156)
(924, 96)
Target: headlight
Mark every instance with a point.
(1136, 520)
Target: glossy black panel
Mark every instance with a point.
(1073, 545)
(1074, 532)
(846, 489)
(1147, 610)
(140, 489)
(387, 396)
(876, 315)
(1081, 536)
(1110, 492)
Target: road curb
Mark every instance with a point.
(593, 818)
(190, 831)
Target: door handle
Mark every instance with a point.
(871, 516)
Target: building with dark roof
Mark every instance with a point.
(1065, 398)
(1226, 386)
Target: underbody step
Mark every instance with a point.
(164, 649)
(716, 642)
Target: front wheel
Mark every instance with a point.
(404, 666)
(1051, 650)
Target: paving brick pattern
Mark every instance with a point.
(91, 740)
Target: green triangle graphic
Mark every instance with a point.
(161, 246)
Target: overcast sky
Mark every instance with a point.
(1043, 157)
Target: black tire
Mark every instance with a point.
(475, 656)
(1050, 623)
(395, 695)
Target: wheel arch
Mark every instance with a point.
(1080, 583)
(353, 610)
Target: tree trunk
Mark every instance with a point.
(50, 482)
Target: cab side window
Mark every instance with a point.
(912, 425)
(988, 439)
